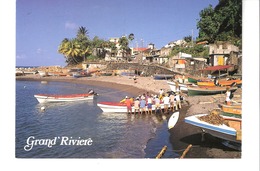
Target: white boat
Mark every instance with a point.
(45, 98)
(117, 107)
(173, 120)
(183, 86)
(222, 131)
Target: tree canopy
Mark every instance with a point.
(223, 23)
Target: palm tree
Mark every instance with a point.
(71, 50)
(82, 33)
(123, 42)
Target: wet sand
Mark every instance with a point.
(182, 134)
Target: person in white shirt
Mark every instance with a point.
(166, 102)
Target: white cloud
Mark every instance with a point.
(39, 51)
(70, 25)
(20, 56)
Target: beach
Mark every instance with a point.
(182, 134)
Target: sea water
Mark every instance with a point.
(81, 129)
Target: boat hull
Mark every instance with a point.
(116, 107)
(221, 131)
(194, 91)
(221, 82)
(173, 120)
(183, 87)
(232, 110)
(62, 98)
(162, 77)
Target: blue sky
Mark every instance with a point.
(41, 25)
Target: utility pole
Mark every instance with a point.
(191, 37)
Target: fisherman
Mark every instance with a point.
(228, 93)
(135, 81)
(129, 104)
(143, 105)
(137, 105)
(178, 101)
(172, 101)
(166, 102)
(161, 94)
(157, 102)
(149, 104)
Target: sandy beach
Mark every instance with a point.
(183, 134)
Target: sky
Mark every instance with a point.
(41, 25)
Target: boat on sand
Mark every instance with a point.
(230, 131)
(208, 90)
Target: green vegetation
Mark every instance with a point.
(82, 48)
(223, 23)
(195, 51)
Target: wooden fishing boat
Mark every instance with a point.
(222, 82)
(117, 107)
(163, 76)
(234, 110)
(183, 86)
(173, 120)
(230, 132)
(208, 90)
(45, 98)
(194, 79)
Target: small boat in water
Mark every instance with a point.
(117, 107)
(46, 98)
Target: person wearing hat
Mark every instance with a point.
(129, 104)
(178, 101)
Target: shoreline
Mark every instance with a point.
(183, 134)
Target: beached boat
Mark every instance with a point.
(194, 79)
(117, 107)
(173, 120)
(183, 86)
(163, 76)
(208, 90)
(230, 132)
(234, 110)
(45, 98)
(221, 82)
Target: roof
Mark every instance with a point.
(215, 68)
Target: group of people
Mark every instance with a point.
(164, 102)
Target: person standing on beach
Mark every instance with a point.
(178, 101)
(172, 101)
(135, 81)
(128, 103)
(161, 94)
(228, 92)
